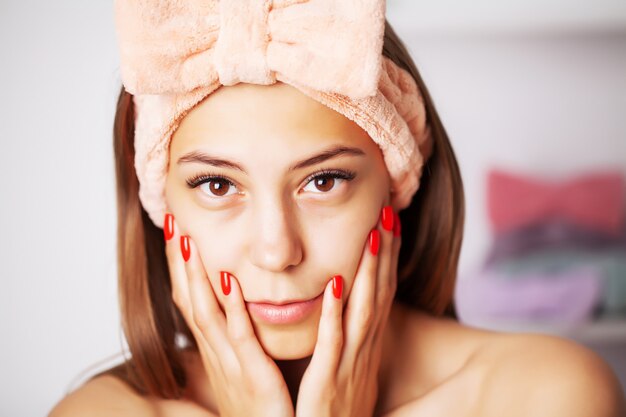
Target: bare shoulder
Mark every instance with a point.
(544, 375)
(492, 373)
(104, 396)
(429, 361)
(108, 396)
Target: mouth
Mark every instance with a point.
(286, 312)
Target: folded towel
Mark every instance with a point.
(551, 236)
(610, 265)
(563, 298)
(595, 201)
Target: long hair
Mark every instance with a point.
(432, 232)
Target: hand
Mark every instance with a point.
(244, 380)
(341, 379)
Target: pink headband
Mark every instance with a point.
(174, 53)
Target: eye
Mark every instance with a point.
(212, 185)
(218, 186)
(326, 181)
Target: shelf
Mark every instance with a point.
(606, 330)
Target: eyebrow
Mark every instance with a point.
(333, 152)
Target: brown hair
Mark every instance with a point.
(432, 231)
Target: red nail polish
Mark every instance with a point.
(225, 280)
(387, 218)
(168, 226)
(374, 241)
(337, 286)
(397, 226)
(184, 247)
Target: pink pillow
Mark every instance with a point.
(594, 201)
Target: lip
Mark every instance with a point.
(284, 313)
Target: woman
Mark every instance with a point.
(293, 281)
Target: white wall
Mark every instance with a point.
(546, 105)
(540, 103)
(510, 16)
(58, 310)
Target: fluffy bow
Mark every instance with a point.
(177, 46)
(593, 201)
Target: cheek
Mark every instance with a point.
(212, 235)
(337, 250)
(219, 242)
(338, 246)
(219, 247)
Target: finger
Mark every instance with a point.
(178, 275)
(360, 308)
(395, 255)
(175, 263)
(176, 266)
(387, 282)
(384, 273)
(239, 327)
(180, 289)
(327, 352)
(206, 312)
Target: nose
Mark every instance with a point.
(275, 238)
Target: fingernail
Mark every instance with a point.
(184, 247)
(387, 217)
(168, 226)
(337, 286)
(374, 241)
(225, 280)
(397, 226)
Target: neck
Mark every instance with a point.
(292, 371)
(199, 391)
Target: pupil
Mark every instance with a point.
(325, 183)
(218, 187)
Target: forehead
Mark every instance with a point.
(261, 118)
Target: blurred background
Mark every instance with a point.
(532, 94)
(533, 97)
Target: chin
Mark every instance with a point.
(287, 342)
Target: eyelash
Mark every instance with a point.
(200, 179)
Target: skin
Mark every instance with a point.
(282, 236)
(281, 239)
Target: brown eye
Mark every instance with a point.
(324, 184)
(328, 182)
(217, 187)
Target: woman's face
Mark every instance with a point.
(282, 234)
